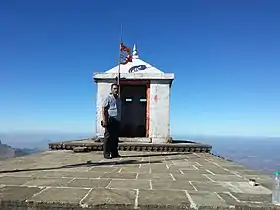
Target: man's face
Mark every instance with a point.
(115, 89)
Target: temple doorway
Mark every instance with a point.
(134, 110)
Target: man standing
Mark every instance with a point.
(111, 114)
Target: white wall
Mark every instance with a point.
(103, 89)
(159, 111)
(159, 128)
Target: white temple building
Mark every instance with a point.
(145, 95)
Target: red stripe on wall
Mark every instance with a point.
(148, 110)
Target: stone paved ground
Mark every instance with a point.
(137, 180)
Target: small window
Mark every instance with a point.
(143, 100)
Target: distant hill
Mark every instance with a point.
(15, 144)
(38, 139)
(7, 151)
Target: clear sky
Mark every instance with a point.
(225, 56)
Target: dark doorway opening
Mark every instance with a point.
(134, 106)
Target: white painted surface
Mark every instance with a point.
(103, 89)
(139, 139)
(159, 111)
(159, 128)
(142, 75)
(136, 61)
(135, 52)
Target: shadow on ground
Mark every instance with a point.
(90, 164)
(155, 155)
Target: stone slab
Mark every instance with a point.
(243, 172)
(229, 178)
(171, 185)
(215, 170)
(228, 198)
(130, 184)
(60, 195)
(9, 180)
(70, 174)
(57, 182)
(142, 170)
(161, 176)
(125, 175)
(253, 197)
(103, 169)
(89, 183)
(110, 199)
(191, 177)
(209, 186)
(188, 169)
(19, 174)
(162, 199)
(207, 200)
(17, 193)
(245, 187)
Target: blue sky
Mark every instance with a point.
(225, 56)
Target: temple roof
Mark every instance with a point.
(137, 65)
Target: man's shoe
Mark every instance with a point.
(116, 156)
(107, 157)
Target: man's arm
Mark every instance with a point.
(105, 106)
(120, 108)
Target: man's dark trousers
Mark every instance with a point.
(111, 138)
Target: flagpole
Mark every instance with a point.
(119, 70)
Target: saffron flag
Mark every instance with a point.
(126, 56)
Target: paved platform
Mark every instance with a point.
(139, 180)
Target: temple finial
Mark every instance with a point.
(135, 52)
